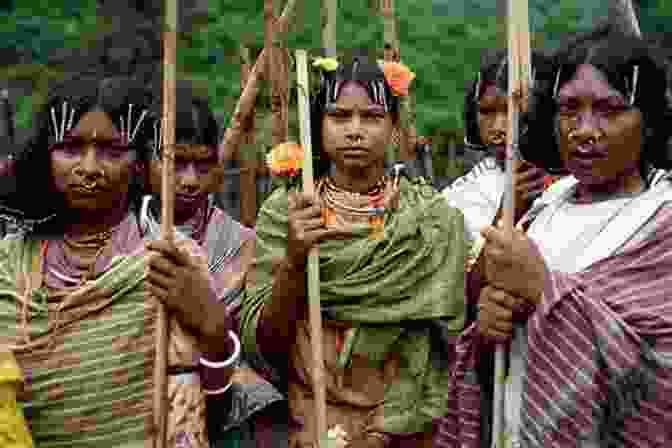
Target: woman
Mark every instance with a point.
(239, 412)
(388, 292)
(75, 284)
(584, 297)
(479, 193)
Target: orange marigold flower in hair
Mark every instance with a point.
(285, 159)
(398, 76)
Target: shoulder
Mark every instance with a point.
(425, 201)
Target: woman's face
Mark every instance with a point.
(492, 119)
(92, 167)
(356, 131)
(599, 136)
(197, 174)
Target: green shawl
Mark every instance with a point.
(93, 387)
(395, 290)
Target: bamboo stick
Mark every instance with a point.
(519, 76)
(235, 132)
(329, 17)
(248, 165)
(314, 311)
(167, 215)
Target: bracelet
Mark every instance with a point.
(229, 362)
(217, 391)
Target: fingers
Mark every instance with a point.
(160, 279)
(496, 237)
(530, 189)
(299, 201)
(529, 172)
(168, 250)
(496, 309)
(162, 264)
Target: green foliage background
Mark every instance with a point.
(441, 40)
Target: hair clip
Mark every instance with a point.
(156, 147)
(71, 119)
(128, 124)
(384, 96)
(54, 123)
(635, 76)
(64, 114)
(137, 126)
(477, 89)
(557, 83)
(65, 123)
(123, 129)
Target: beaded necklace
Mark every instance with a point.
(82, 253)
(357, 208)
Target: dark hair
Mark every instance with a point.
(615, 54)
(494, 69)
(33, 200)
(194, 121)
(360, 69)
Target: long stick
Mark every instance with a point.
(167, 215)
(314, 311)
(329, 14)
(519, 76)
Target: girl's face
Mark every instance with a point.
(599, 135)
(197, 174)
(92, 168)
(356, 131)
(492, 119)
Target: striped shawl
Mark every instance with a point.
(599, 359)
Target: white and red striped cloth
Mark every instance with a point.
(599, 358)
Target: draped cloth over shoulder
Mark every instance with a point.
(87, 361)
(598, 367)
(399, 291)
(87, 351)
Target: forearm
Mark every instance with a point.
(277, 324)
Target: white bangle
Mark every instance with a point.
(229, 362)
(217, 391)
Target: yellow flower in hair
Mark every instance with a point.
(398, 76)
(285, 160)
(326, 64)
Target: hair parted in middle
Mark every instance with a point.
(494, 70)
(127, 102)
(361, 69)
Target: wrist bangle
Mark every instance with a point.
(232, 359)
(217, 391)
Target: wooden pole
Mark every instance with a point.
(406, 131)
(329, 17)
(167, 214)
(519, 77)
(277, 73)
(314, 310)
(248, 164)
